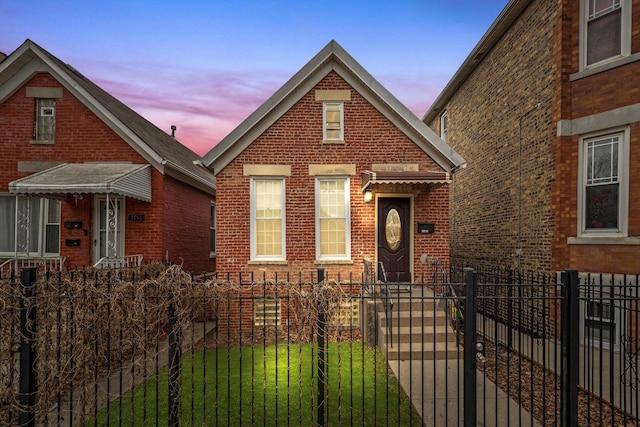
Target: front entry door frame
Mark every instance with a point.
(382, 196)
(108, 227)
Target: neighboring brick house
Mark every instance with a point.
(546, 109)
(84, 179)
(293, 177)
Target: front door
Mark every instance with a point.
(394, 246)
(108, 227)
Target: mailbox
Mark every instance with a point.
(426, 227)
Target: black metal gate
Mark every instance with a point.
(492, 347)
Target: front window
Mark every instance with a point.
(603, 194)
(332, 219)
(29, 225)
(606, 31)
(267, 219)
(45, 120)
(333, 121)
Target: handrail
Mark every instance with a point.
(47, 263)
(120, 262)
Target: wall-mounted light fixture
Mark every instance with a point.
(368, 196)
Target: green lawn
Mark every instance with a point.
(273, 386)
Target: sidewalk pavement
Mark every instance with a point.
(436, 388)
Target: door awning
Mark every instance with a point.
(122, 179)
(368, 178)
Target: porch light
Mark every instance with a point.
(368, 196)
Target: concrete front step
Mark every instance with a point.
(414, 318)
(422, 351)
(428, 334)
(420, 328)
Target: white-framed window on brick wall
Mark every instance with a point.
(333, 116)
(267, 219)
(45, 128)
(29, 225)
(444, 126)
(603, 184)
(605, 31)
(333, 218)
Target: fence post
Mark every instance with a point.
(470, 414)
(174, 365)
(27, 348)
(321, 350)
(570, 348)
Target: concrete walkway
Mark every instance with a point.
(436, 388)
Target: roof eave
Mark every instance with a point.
(503, 22)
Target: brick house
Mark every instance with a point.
(330, 170)
(546, 109)
(84, 180)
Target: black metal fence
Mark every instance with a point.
(154, 346)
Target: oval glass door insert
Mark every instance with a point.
(392, 229)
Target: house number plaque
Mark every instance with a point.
(136, 217)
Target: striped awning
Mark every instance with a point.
(368, 178)
(122, 179)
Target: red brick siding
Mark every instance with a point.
(80, 136)
(296, 140)
(590, 95)
(186, 230)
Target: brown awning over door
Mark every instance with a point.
(368, 178)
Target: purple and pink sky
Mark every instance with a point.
(204, 66)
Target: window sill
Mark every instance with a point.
(333, 262)
(38, 142)
(266, 262)
(605, 67)
(333, 141)
(603, 240)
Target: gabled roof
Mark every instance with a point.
(331, 58)
(161, 150)
(503, 22)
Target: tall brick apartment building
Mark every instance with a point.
(546, 110)
(330, 170)
(85, 180)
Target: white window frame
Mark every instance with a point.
(45, 111)
(623, 182)
(625, 34)
(444, 126)
(346, 218)
(601, 324)
(41, 235)
(325, 124)
(253, 203)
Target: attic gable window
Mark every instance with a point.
(333, 118)
(444, 126)
(45, 120)
(605, 31)
(44, 126)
